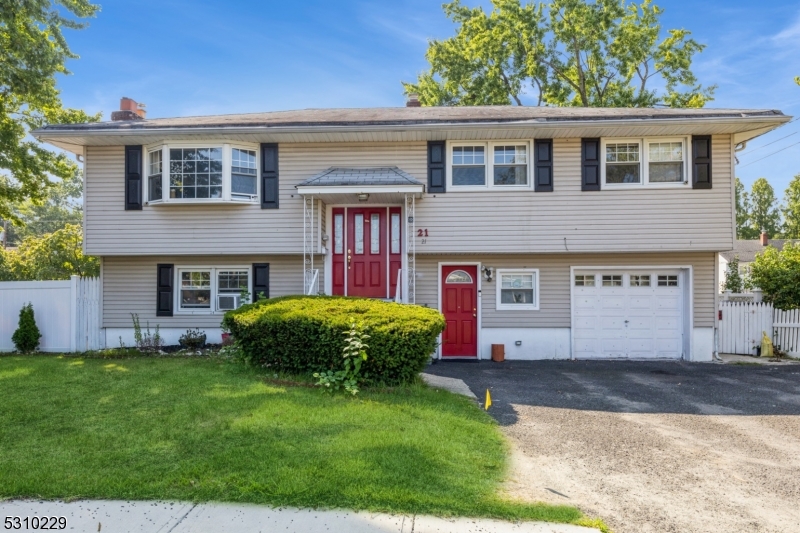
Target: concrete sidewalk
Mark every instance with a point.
(180, 517)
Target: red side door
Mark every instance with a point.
(460, 309)
(366, 254)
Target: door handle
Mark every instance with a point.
(349, 258)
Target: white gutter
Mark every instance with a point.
(43, 134)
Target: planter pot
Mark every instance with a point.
(227, 339)
(498, 353)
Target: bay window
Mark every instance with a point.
(645, 162)
(212, 290)
(183, 173)
(494, 165)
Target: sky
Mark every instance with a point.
(198, 57)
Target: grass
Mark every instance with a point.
(205, 429)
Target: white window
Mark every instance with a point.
(640, 280)
(518, 289)
(458, 276)
(645, 162)
(668, 281)
(192, 173)
(212, 290)
(495, 165)
(584, 280)
(612, 280)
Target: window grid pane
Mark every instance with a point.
(584, 280)
(395, 233)
(612, 280)
(232, 281)
(195, 172)
(469, 165)
(668, 281)
(243, 172)
(359, 231)
(640, 281)
(154, 182)
(375, 233)
(517, 289)
(196, 289)
(458, 276)
(338, 234)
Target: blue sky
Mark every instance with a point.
(194, 57)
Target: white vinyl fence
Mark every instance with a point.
(742, 325)
(67, 313)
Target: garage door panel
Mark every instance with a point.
(638, 321)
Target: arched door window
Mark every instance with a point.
(458, 276)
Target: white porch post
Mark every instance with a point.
(411, 250)
(308, 243)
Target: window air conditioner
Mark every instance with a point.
(227, 302)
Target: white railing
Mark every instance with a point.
(67, 313)
(312, 284)
(398, 292)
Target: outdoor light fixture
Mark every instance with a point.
(487, 273)
(363, 197)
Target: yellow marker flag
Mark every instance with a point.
(488, 403)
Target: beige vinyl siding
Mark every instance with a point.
(643, 219)
(554, 284)
(638, 218)
(225, 229)
(129, 286)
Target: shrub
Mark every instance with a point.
(304, 334)
(777, 274)
(193, 339)
(27, 336)
(145, 341)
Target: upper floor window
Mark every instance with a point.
(201, 173)
(645, 162)
(488, 165)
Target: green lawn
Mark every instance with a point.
(192, 429)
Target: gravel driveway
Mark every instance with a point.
(651, 446)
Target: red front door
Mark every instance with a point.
(366, 251)
(460, 309)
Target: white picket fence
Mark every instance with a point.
(742, 326)
(67, 313)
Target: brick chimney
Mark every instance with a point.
(764, 238)
(129, 109)
(413, 100)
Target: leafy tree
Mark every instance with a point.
(61, 206)
(777, 274)
(569, 52)
(733, 279)
(34, 51)
(791, 209)
(56, 255)
(743, 208)
(764, 214)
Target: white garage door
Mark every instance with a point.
(631, 314)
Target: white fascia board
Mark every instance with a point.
(358, 189)
(56, 135)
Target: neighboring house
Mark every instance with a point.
(559, 232)
(746, 251)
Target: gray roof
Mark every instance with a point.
(416, 115)
(746, 250)
(334, 177)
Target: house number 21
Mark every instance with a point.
(422, 233)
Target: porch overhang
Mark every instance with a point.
(386, 185)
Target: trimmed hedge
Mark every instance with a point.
(305, 334)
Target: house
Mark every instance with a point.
(559, 232)
(746, 251)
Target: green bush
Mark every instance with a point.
(777, 274)
(27, 336)
(305, 334)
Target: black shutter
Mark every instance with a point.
(133, 178)
(543, 171)
(269, 176)
(590, 164)
(164, 284)
(701, 161)
(436, 177)
(260, 280)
